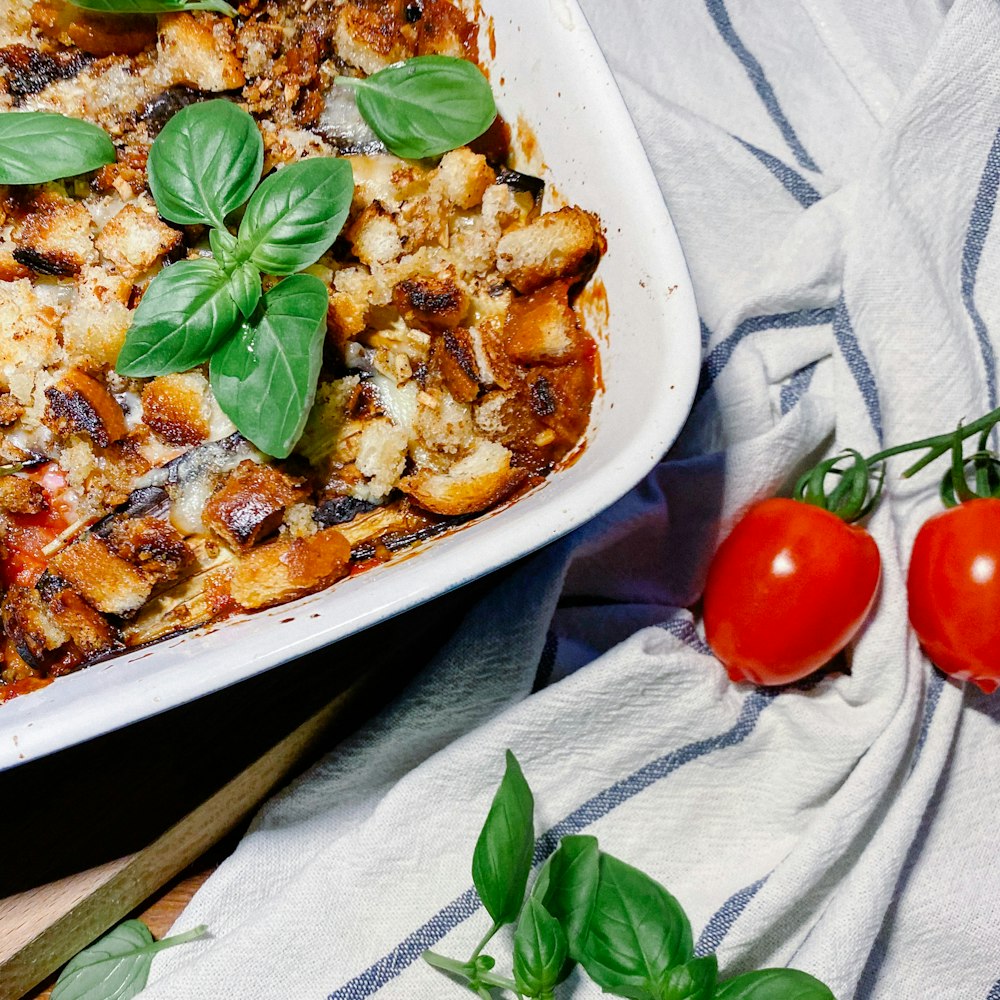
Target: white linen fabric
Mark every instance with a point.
(832, 167)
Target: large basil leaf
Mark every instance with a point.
(540, 950)
(117, 966)
(774, 984)
(265, 377)
(567, 887)
(187, 311)
(501, 861)
(153, 6)
(637, 933)
(425, 105)
(40, 146)
(205, 163)
(296, 214)
(693, 981)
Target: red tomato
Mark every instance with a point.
(953, 588)
(787, 590)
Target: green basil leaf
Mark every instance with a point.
(187, 311)
(774, 984)
(693, 981)
(153, 6)
(425, 105)
(244, 286)
(117, 966)
(265, 377)
(296, 214)
(40, 146)
(501, 861)
(223, 245)
(637, 932)
(567, 887)
(540, 950)
(205, 163)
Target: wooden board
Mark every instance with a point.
(249, 739)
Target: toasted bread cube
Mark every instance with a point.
(542, 329)
(152, 545)
(563, 244)
(368, 36)
(289, 568)
(19, 495)
(79, 404)
(250, 505)
(106, 581)
(30, 337)
(95, 324)
(29, 626)
(55, 237)
(135, 239)
(463, 177)
(197, 52)
(375, 237)
(431, 302)
(175, 408)
(86, 628)
(472, 484)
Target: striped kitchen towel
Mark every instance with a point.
(832, 167)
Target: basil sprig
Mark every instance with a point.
(627, 932)
(153, 6)
(264, 351)
(117, 965)
(41, 146)
(426, 105)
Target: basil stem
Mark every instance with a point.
(264, 378)
(426, 105)
(41, 146)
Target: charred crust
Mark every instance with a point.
(30, 71)
(55, 265)
(460, 352)
(543, 400)
(71, 412)
(340, 510)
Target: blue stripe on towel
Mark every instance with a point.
(719, 356)
(724, 918)
(683, 629)
(994, 993)
(795, 388)
(754, 70)
(460, 909)
(857, 364)
(791, 180)
(972, 252)
(930, 707)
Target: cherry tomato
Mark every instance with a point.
(953, 587)
(787, 590)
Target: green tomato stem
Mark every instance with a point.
(938, 445)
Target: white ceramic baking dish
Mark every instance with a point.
(549, 72)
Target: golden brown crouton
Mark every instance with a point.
(29, 626)
(135, 239)
(174, 406)
(105, 580)
(55, 237)
(563, 244)
(542, 329)
(368, 35)
(476, 482)
(152, 545)
(94, 326)
(10, 410)
(250, 505)
(374, 236)
(445, 30)
(453, 360)
(197, 51)
(431, 302)
(79, 404)
(30, 337)
(21, 496)
(289, 568)
(84, 627)
(463, 177)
